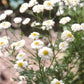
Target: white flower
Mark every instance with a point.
(63, 46)
(45, 53)
(5, 24)
(76, 27)
(37, 44)
(33, 24)
(82, 26)
(20, 65)
(22, 78)
(60, 12)
(26, 21)
(38, 8)
(17, 20)
(7, 54)
(48, 5)
(55, 1)
(8, 12)
(67, 36)
(48, 24)
(18, 45)
(65, 20)
(56, 81)
(32, 3)
(3, 43)
(23, 7)
(2, 16)
(20, 56)
(34, 35)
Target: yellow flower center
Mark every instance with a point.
(20, 55)
(69, 1)
(62, 45)
(49, 3)
(34, 34)
(18, 43)
(45, 52)
(48, 21)
(70, 35)
(36, 43)
(20, 64)
(57, 82)
(2, 43)
(4, 23)
(22, 6)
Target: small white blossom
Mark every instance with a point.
(26, 21)
(33, 24)
(23, 7)
(34, 35)
(38, 8)
(45, 53)
(20, 65)
(48, 5)
(67, 36)
(20, 56)
(82, 26)
(65, 20)
(63, 46)
(2, 16)
(8, 12)
(56, 81)
(32, 3)
(76, 27)
(5, 24)
(37, 44)
(17, 20)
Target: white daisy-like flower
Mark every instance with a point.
(37, 44)
(38, 8)
(7, 53)
(2, 16)
(48, 24)
(8, 12)
(33, 24)
(76, 27)
(32, 3)
(26, 21)
(45, 53)
(60, 12)
(67, 36)
(55, 1)
(5, 24)
(17, 20)
(23, 7)
(65, 20)
(20, 65)
(56, 81)
(20, 56)
(34, 35)
(82, 26)
(48, 5)
(63, 46)
(18, 45)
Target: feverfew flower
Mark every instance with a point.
(18, 45)
(17, 20)
(37, 44)
(67, 36)
(23, 7)
(33, 24)
(20, 56)
(2, 16)
(56, 81)
(65, 20)
(5, 24)
(26, 21)
(48, 24)
(82, 26)
(55, 1)
(45, 53)
(32, 3)
(20, 65)
(60, 12)
(76, 27)
(38, 8)
(48, 5)
(8, 12)
(7, 54)
(34, 35)
(63, 46)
